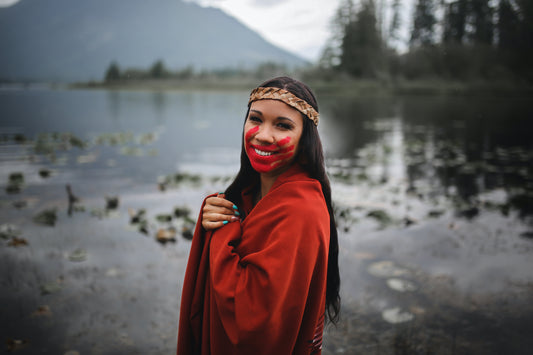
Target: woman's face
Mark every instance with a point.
(272, 133)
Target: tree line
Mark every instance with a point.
(454, 40)
(159, 71)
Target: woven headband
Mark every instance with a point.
(285, 96)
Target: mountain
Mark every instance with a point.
(76, 40)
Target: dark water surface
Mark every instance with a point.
(434, 200)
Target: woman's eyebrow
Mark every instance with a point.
(285, 119)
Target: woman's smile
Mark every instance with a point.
(263, 153)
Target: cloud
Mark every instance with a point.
(267, 3)
(299, 26)
(6, 3)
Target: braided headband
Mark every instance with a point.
(285, 96)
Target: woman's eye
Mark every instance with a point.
(254, 119)
(285, 126)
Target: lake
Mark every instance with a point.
(433, 197)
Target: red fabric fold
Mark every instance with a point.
(258, 287)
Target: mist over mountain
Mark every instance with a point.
(76, 40)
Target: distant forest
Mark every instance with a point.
(453, 40)
(461, 40)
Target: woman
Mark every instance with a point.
(263, 273)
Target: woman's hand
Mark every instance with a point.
(217, 212)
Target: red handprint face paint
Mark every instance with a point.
(272, 133)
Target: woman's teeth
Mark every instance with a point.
(260, 152)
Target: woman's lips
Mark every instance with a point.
(264, 151)
(266, 158)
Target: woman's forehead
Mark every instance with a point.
(275, 108)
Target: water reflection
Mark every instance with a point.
(459, 148)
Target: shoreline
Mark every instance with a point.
(342, 87)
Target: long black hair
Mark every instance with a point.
(311, 158)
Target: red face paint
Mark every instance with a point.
(250, 132)
(278, 153)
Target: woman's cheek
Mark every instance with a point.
(248, 135)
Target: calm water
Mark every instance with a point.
(471, 144)
(434, 199)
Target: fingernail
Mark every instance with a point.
(234, 219)
(225, 222)
(237, 213)
(221, 193)
(235, 207)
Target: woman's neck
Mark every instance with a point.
(266, 184)
(267, 181)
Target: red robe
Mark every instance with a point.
(259, 286)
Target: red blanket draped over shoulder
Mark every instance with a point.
(259, 286)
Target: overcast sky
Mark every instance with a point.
(299, 26)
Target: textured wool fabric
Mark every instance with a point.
(259, 286)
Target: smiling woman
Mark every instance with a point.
(263, 275)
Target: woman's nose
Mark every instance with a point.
(265, 135)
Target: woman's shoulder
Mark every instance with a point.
(303, 196)
(296, 181)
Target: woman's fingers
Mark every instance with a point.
(218, 211)
(221, 206)
(210, 222)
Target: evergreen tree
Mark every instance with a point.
(361, 45)
(507, 26)
(424, 20)
(394, 28)
(455, 21)
(113, 72)
(482, 14)
(344, 15)
(158, 70)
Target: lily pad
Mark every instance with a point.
(17, 242)
(401, 285)
(163, 218)
(386, 269)
(16, 344)
(98, 212)
(45, 173)
(50, 287)
(381, 217)
(78, 255)
(435, 213)
(16, 178)
(396, 315)
(42, 311)
(47, 217)
(13, 189)
(8, 230)
(166, 235)
(20, 204)
(112, 202)
(181, 212)
(86, 158)
(137, 216)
